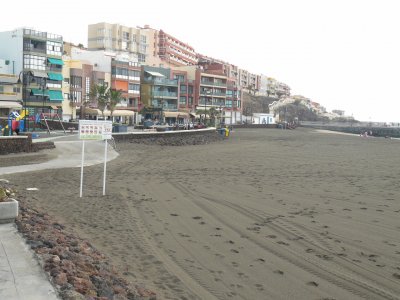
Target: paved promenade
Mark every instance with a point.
(21, 277)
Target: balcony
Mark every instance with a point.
(42, 35)
(212, 83)
(161, 81)
(165, 94)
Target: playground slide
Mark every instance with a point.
(20, 117)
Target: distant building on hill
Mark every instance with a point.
(152, 47)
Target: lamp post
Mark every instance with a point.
(206, 92)
(220, 115)
(43, 87)
(27, 79)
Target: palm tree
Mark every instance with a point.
(100, 95)
(115, 98)
(213, 113)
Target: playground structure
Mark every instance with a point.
(16, 122)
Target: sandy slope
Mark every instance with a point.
(267, 214)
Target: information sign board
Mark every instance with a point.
(95, 130)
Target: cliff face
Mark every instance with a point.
(256, 104)
(290, 112)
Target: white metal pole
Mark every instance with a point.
(105, 168)
(83, 158)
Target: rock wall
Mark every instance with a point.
(22, 143)
(15, 144)
(254, 125)
(171, 138)
(376, 131)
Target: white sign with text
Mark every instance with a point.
(95, 130)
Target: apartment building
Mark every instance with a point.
(10, 89)
(152, 47)
(119, 71)
(159, 94)
(36, 58)
(174, 52)
(186, 91)
(140, 42)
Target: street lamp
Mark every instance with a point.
(206, 92)
(43, 87)
(27, 79)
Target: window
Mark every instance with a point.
(183, 89)
(34, 62)
(143, 39)
(87, 86)
(142, 57)
(125, 35)
(76, 96)
(142, 48)
(66, 80)
(76, 82)
(190, 91)
(134, 87)
(16, 89)
(54, 48)
(101, 31)
(190, 100)
(133, 38)
(134, 73)
(182, 100)
(180, 77)
(1, 89)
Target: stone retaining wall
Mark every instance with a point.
(376, 131)
(171, 138)
(254, 125)
(21, 143)
(15, 144)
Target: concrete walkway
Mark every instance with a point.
(21, 277)
(69, 155)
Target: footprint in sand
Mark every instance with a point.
(234, 251)
(279, 272)
(271, 236)
(282, 243)
(313, 283)
(174, 215)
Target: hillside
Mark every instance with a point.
(256, 104)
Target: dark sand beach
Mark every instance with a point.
(265, 214)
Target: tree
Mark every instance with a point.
(213, 113)
(115, 98)
(100, 94)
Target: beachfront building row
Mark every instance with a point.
(56, 77)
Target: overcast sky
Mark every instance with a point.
(343, 54)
